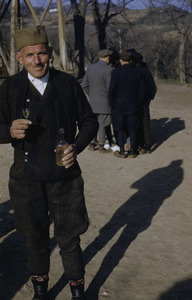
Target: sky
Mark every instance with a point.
(136, 4)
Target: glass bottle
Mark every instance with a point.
(60, 148)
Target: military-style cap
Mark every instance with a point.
(30, 36)
(126, 56)
(104, 53)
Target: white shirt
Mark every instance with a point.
(39, 83)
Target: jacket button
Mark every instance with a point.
(25, 160)
(26, 153)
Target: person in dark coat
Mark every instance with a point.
(96, 84)
(39, 188)
(126, 95)
(143, 134)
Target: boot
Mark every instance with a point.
(77, 289)
(40, 285)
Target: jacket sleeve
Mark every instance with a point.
(85, 84)
(86, 119)
(112, 89)
(5, 114)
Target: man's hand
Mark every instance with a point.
(70, 156)
(18, 128)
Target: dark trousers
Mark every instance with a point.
(121, 121)
(144, 127)
(34, 204)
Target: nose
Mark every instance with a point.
(36, 59)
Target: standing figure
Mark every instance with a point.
(126, 95)
(96, 85)
(37, 106)
(143, 135)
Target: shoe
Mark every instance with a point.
(148, 150)
(103, 150)
(142, 150)
(77, 290)
(132, 154)
(120, 154)
(91, 147)
(127, 147)
(40, 288)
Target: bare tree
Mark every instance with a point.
(102, 14)
(180, 16)
(79, 12)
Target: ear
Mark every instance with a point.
(18, 57)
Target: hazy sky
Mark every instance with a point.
(136, 4)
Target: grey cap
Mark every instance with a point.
(104, 53)
(30, 36)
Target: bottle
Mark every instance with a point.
(60, 148)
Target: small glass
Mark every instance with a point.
(25, 110)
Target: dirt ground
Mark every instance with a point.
(138, 245)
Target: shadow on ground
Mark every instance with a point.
(180, 291)
(135, 215)
(162, 129)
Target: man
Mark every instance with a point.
(38, 187)
(151, 89)
(126, 94)
(96, 84)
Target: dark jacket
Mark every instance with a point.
(34, 159)
(127, 89)
(151, 87)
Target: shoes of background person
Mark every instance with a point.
(91, 147)
(147, 150)
(103, 150)
(141, 150)
(132, 154)
(120, 154)
(127, 147)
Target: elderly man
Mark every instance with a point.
(96, 84)
(38, 187)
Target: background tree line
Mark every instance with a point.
(161, 32)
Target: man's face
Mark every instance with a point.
(35, 59)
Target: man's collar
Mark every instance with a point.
(43, 79)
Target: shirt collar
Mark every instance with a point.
(44, 79)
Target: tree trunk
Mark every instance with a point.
(62, 37)
(14, 27)
(99, 25)
(181, 64)
(79, 12)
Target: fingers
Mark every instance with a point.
(70, 156)
(19, 127)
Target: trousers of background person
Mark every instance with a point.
(143, 139)
(104, 123)
(121, 121)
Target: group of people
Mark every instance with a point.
(120, 98)
(36, 105)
